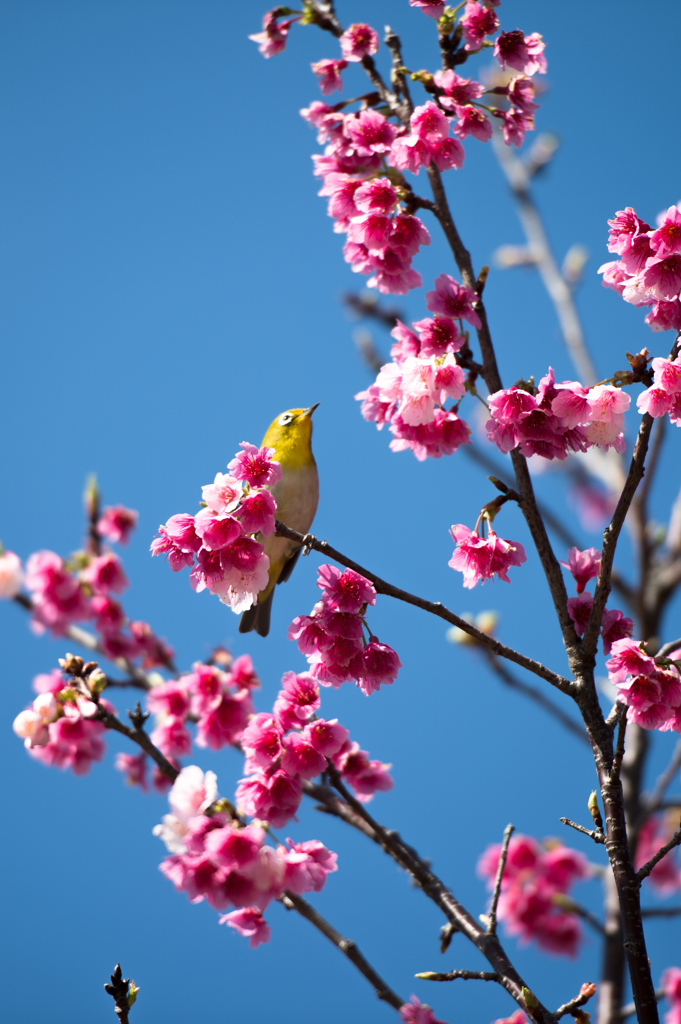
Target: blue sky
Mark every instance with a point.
(169, 282)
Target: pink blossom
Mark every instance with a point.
(615, 625)
(169, 698)
(216, 530)
(358, 41)
(655, 401)
(416, 1012)
(307, 865)
(668, 374)
(521, 52)
(347, 591)
(429, 9)
(666, 240)
(429, 123)
(408, 234)
(514, 124)
(520, 92)
(438, 335)
(179, 540)
(447, 153)
(511, 405)
(256, 467)
(172, 737)
(579, 609)
(410, 153)
(105, 573)
(453, 300)
(365, 776)
(272, 40)
(73, 741)
(665, 316)
(628, 658)
(663, 276)
(297, 701)
(375, 196)
(326, 737)
(671, 983)
(655, 832)
(11, 574)
(109, 615)
(341, 188)
(472, 121)
(477, 22)
(480, 558)
(223, 495)
(152, 649)
(301, 758)
(624, 226)
(58, 599)
(431, 440)
(134, 768)
(224, 722)
(275, 797)
(328, 73)
(371, 230)
(518, 1017)
(381, 665)
(584, 565)
(249, 921)
(457, 91)
(370, 132)
(261, 741)
(116, 523)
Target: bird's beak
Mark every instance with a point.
(308, 412)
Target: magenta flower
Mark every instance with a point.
(453, 300)
(301, 758)
(429, 123)
(615, 625)
(116, 523)
(579, 609)
(105, 573)
(480, 558)
(307, 865)
(249, 921)
(370, 132)
(256, 466)
(328, 73)
(520, 52)
(358, 41)
(256, 513)
(347, 591)
(375, 196)
(216, 530)
(272, 40)
(381, 665)
(457, 91)
(472, 121)
(665, 877)
(416, 1012)
(584, 565)
(326, 737)
(366, 777)
(667, 239)
(134, 768)
(223, 495)
(477, 22)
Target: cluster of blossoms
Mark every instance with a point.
(648, 271)
(554, 419)
(534, 891)
(410, 392)
(383, 235)
(480, 558)
(655, 833)
(57, 728)
(290, 745)
(651, 691)
(81, 589)
(218, 542)
(664, 395)
(217, 857)
(615, 625)
(332, 636)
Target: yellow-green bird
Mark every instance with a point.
(297, 497)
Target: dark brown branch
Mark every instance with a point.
(597, 837)
(619, 751)
(434, 607)
(347, 947)
(492, 916)
(537, 696)
(611, 537)
(119, 991)
(138, 736)
(455, 975)
(657, 857)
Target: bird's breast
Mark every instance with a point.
(297, 497)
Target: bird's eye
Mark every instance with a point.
(285, 418)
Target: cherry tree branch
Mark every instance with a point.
(138, 736)
(347, 947)
(492, 916)
(661, 911)
(575, 1003)
(655, 799)
(434, 607)
(119, 990)
(455, 975)
(644, 871)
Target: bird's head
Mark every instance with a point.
(291, 437)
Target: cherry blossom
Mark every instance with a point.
(328, 73)
(481, 558)
(656, 831)
(478, 22)
(358, 41)
(429, 9)
(416, 1012)
(256, 466)
(272, 40)
(584, 565)
(116, 523)
(11, 574)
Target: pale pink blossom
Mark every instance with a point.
(429, 9)
(256, 467)
(134, 767)
(429, 123)
(370, 132)
(472, 121)
(326, 737)
(666, 240)
(223, 495)
(301, 758)
(667, 374)
(453, 299)
(328, 73)
(663, 276)
(375, 196)
(249, 921)
(457, 91)
(584, 565)
(655, 401)
(477, 22)
(11, 574)
(358, 41)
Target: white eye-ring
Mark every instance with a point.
(285, 418)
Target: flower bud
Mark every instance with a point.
(72, 663)
(89, 667)
(132, 993)
(594, 811)
(97, 681)
(531, 1001)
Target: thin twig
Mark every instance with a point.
(434, 607)
(571, 906)
(669, 648)
(655, 799)
(508, 679)
(492, 916)
(630, 1008)
(347, 947)
(660, 911)
(455, 975)
(657, 857)
(597, 837)
(575, 1003)
(118, 990)
(138, 736)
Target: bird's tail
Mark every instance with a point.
(258, 617)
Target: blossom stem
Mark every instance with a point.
(492, 916)
(347, 947)
(597, 837)
(434, 607)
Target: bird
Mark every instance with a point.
(297, 497)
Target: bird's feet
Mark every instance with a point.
(308, 540)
